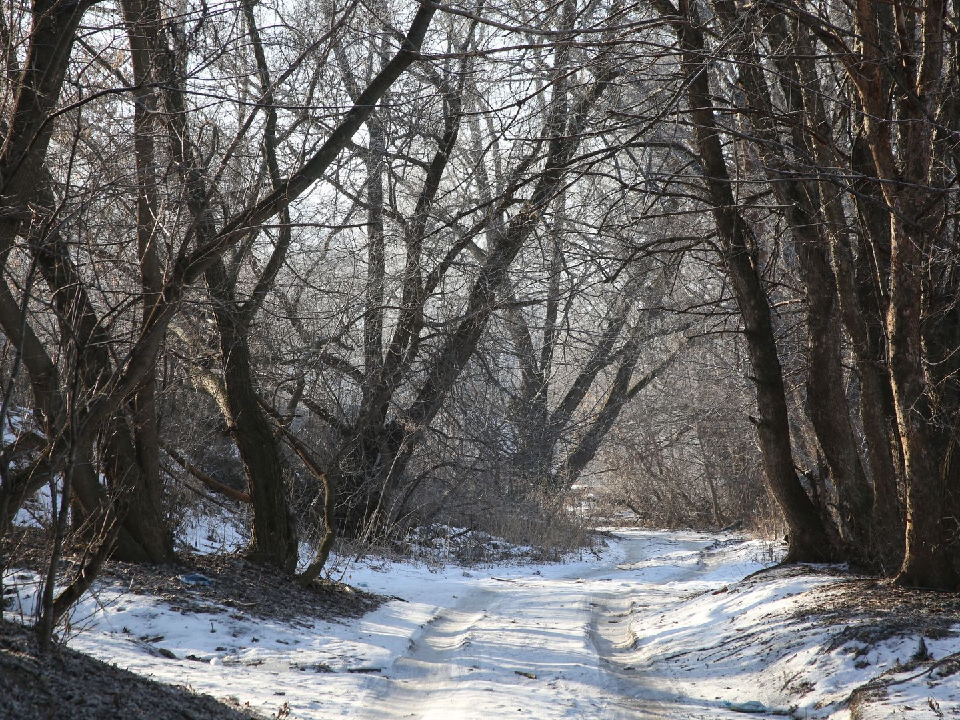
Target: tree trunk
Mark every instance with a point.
(866, 305)
(929, 557)
(274, 538)
(130, 460)
(808, 539)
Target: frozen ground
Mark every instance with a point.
(659, 626)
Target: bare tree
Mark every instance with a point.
(116, 331)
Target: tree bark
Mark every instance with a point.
(274, 539)
(860, 291)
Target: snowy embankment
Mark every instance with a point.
(662, 625)
(793, 641)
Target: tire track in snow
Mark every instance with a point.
(509, 649)
(438, 658)
(613, 638)
(644, 692)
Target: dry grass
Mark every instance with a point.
(871, 610)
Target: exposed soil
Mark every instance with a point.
(235, 583)
(871, 610)
(65, 685)
(865, 611)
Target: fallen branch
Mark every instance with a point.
(204, 478)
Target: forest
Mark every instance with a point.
(351, 268)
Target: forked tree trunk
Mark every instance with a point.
(127, 460)
(274, 539)
(929, 558)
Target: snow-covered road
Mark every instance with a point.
(553, 645)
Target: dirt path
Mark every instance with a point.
(540, 648)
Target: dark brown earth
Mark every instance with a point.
(870, 609)
(66, 685)
(254, 590)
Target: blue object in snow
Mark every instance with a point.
(196, 579)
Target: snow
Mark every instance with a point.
(660, 625)
(211, 533)
(20, 592)
(35, 512)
